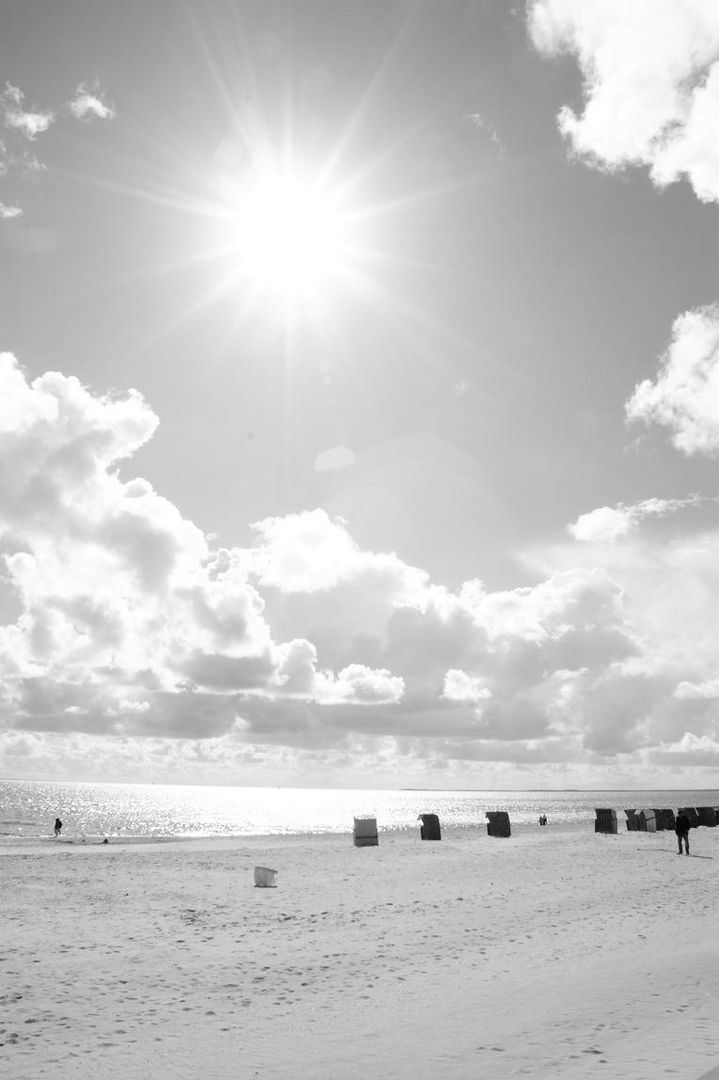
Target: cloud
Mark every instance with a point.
(708, 689)
(362, 685)
(25, 125)
(684, 398)
(668, 584)
(310, 553)
(459, 686)
(303, 647)
(650, 73)
(17, 118)
(690, 750)
(607, 524)
(88, 103)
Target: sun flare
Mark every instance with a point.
(289, 235)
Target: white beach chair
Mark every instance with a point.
(265, 878)
(365, 832)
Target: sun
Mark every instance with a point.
(289, 234)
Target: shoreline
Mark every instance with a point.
(409, 835)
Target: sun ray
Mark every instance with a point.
(285, 228)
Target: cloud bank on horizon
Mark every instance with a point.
(131, 624)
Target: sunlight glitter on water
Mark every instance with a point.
(28, 808)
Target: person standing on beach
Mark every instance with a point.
(682, 827)
(58, 827)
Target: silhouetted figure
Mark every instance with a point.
(682, 827)
(58, 827)
(542, 819)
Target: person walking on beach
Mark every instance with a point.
(58, 827)
(682, 827)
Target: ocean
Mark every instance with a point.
(165, 811)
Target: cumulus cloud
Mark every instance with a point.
(607, 524)
(28, 122)
(690, 750)
(9, 212)
(650, 71)
(665, 686)
(309, 553)
(362, 685)
(88, 103)
(459, 686)
(132, 626)
(684, 397)
(708, 689)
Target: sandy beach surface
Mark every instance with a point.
(550, 954)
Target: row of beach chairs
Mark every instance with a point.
(366, 834)
(656, 820)
(365, 831)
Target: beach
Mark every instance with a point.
(555, 953)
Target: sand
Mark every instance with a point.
(551, 954)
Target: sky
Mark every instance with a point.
(359, 392)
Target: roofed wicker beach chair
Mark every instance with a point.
(498, 823)
(365, 832)
(707, 816)
(429, 829)
(606, 821)
(667, 820)
(632, 821)
(265, 878)
(647, 821)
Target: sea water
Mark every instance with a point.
(28, 809)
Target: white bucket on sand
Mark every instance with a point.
(265, 878)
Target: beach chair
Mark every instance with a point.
(632, 821)
(606, 821)
(265, 878)
(365, 832)
(429, 829)
(498, 823)
(647, 821)
(707, 816)
(666, 817)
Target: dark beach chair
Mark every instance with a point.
(606, 821)
(429, 829)
(498, 823)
